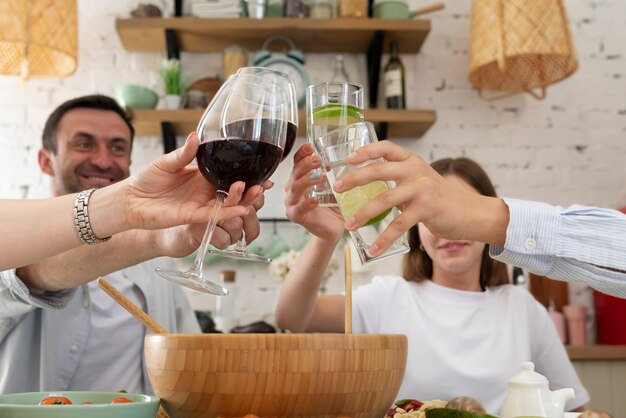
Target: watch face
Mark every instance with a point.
(293, 73)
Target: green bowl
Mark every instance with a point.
(26, 405)
(135, 96)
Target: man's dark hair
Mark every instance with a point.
(94, 101)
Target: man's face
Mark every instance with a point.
(93, 150)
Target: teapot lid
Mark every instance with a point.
(528, 374)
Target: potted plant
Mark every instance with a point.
(170, 71)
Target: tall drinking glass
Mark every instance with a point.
(329, 106)
(333, 149)
(242, 136)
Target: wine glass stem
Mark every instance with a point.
(241, 245)
(196, 267)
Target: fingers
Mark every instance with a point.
(231, 207)
(376, 171)
(382, 149)
(268, 184)
(305, 150)
(305, 161)
(395, 230)
(300, 180)
(228, 232)
(179, 158)
(235, 193)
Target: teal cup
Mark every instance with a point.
(392, 9)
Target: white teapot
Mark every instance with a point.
(528, 395)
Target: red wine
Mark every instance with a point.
(292, 132)
(241, 155)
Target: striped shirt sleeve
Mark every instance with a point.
(578, 244)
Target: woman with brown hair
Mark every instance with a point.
(468, 330)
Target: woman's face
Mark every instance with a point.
(452, 257)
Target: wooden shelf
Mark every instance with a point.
(596, 352)
(310, 35)
(400, 123)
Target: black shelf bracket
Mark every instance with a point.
(374, 56)
(169, 137)
(171, 45)
(173, 52)
(383, 128)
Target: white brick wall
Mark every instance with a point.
(568, 148)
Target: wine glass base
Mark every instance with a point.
(192, 281)
(240, 255)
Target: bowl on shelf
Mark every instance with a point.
(136, 96)
(276, 375)
(26, 405)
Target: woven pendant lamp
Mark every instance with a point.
(38, 38)
(519, 46)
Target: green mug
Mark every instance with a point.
(392, 9)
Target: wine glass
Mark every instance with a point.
(242, 136)
(292, 101)
(240, 250)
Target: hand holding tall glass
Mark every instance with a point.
(333, 149)
(329, 106)
(242, 136)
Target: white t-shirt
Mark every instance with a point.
(464, 343)
(108, 356)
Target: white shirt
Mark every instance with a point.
(464, 343)
(113, 345)
(572, 244)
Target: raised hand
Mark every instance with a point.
(170, 192)
(323, 222)
(422, 195)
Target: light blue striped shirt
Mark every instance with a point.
(576, 244)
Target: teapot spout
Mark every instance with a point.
(560, 397)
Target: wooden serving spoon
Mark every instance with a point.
(133, 309)
(348, 297)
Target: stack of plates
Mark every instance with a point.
(216, 8)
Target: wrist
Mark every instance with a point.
(107, 211)
(492, 221)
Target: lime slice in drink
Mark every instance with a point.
(351, 201)
(337, 115)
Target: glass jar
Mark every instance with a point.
(353, 8)
(296, 8)
(322, 9)
(275, 8)
(233, 58)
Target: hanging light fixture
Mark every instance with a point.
(38, 38)
(519, 46)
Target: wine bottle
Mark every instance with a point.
(339, 71)
(394, 80)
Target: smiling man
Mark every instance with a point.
(55, 322)
(86, 144)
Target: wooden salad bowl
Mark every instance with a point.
(276, 375)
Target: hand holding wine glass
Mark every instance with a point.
(242, 136)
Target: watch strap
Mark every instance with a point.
(82, 221)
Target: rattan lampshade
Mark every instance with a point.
(519, 46)
(38, 38)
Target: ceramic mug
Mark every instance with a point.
(392, 9)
